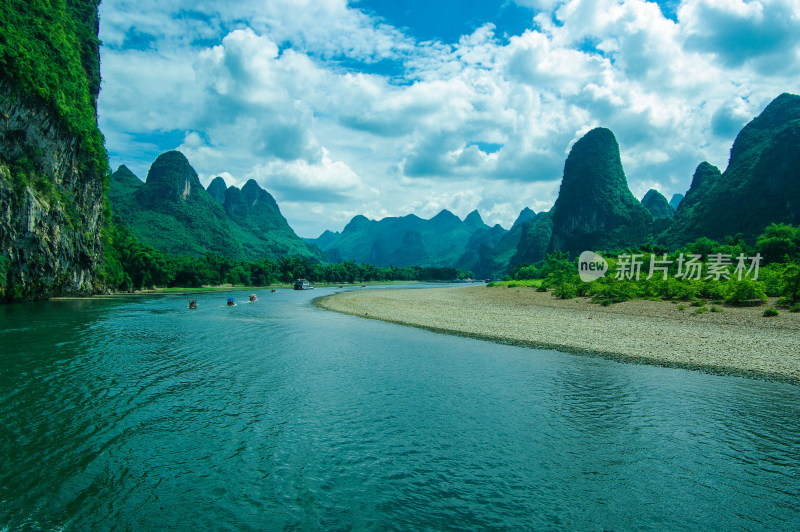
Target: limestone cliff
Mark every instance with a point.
(52, 160)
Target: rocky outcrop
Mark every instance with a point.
(51, 205)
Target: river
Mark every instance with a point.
(138, 413)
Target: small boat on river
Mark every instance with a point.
(253, 298)
(192, 303)
(231, 302)
(303, 284)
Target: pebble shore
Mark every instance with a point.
(738, 341)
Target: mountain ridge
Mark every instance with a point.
(174, 213)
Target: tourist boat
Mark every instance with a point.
(192, 303)
(273, 291)
(231, 302)
(303, 284)
(253, 298)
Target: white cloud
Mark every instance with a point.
(761, 33)
(267, 89)
(298, 179)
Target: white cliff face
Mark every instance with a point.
(51, 206)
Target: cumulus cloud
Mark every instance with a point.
(292, 93)
(325, 181)
(258, 99)
(761, 33)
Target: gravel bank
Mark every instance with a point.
(737, 341)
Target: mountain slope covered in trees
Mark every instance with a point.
(172, 212)
(760, 186)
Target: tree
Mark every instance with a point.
(779, 243)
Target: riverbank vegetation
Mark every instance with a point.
(131, 265)
(729, 272)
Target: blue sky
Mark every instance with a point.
(390, 108)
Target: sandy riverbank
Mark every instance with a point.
(737, 341)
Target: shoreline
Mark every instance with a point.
(188, 291)
(738, 341)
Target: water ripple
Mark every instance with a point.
(276, 415)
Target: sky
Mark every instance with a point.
(387, 108)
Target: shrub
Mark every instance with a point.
(773, 279)
(681, 307)
(612, 291)
(701, 310)
(566, 291)
(791, 282)
(746, 293)
(795, 308)
(779, 243)
(771, 311)
(686, 290)
(715, 308)
(712, 289)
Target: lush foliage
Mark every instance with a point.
(778, 273)
(49, 52)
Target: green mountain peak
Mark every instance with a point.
(171, 179)
(217, 189)
(474, 219)
(524, 215)
(676, 200)
(595, 208)
(172, 212)
(658, 205)
(759, 187)
(235, 205)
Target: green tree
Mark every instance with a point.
(779, 243)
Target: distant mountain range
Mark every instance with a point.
(171, 211)
(444, 240)
(595, 209)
